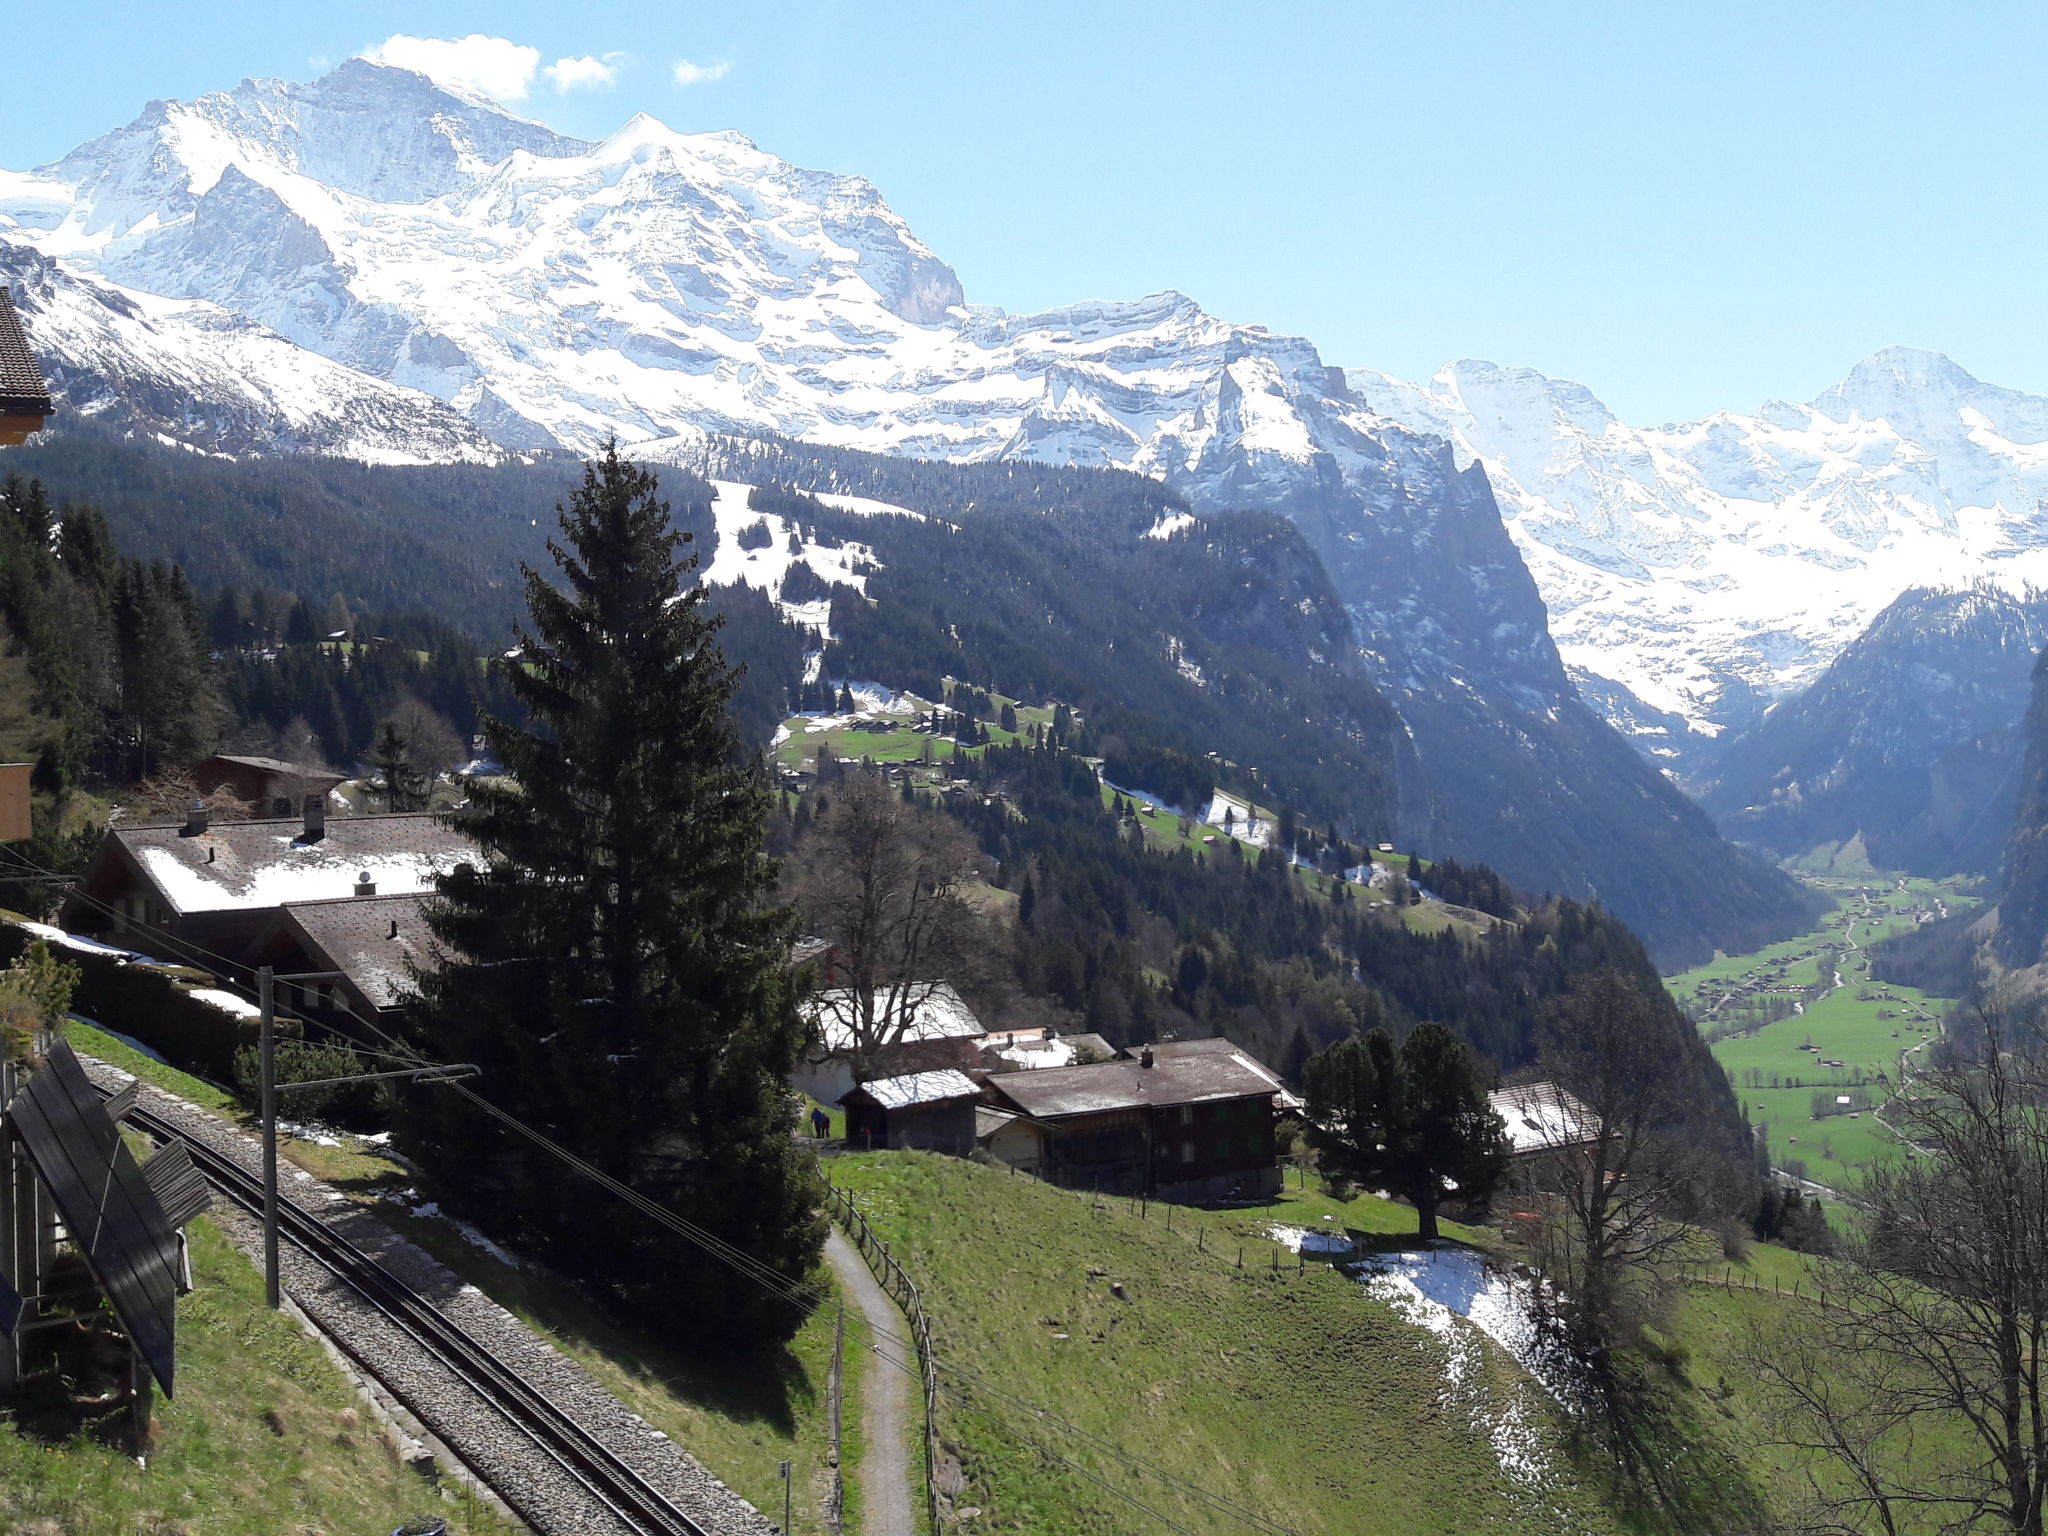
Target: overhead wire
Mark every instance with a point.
(750, 1268)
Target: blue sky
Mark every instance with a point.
(1685, 207)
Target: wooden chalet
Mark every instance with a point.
(1187, 1125)
(273, 787)
(178, 890)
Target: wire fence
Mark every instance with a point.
(904, 1290)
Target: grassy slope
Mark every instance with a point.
(739, 1419)
(265, 1436)
(1293, 1393)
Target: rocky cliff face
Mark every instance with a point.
(1696, 572)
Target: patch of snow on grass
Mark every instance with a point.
(1169, 525)
(1307, 1240)
(1456, 1295)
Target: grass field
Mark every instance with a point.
(1293, 1393)
(265, 1436)
(1821, 980)
(855, 736)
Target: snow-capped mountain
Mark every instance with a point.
(186, 372)
(1709, 567)
(659, 284)
(557, 291)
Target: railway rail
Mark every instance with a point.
(584, 1459)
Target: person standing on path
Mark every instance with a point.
(885, 1469)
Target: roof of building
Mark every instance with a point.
(277, 765)
(939, 1015)
(1542, 1116)
(269, 863)
(988, 1120)
(917, 1088)
(371, 939)
(22, 390)
(1192, 1078)
(1218, 1045)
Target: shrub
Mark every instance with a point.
(301, 1061)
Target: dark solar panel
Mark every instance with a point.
(108, 1207)
(181, 1189)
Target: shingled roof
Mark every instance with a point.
(372, 940)
(22, 390)
(1193, 1078)
(245, 865)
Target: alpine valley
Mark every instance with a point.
(1509, 623)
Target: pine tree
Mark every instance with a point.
(405, 787)
(1406, 1118)
(614, 967)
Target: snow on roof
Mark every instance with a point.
(939, 1015)
(257, 864)
(916, 1088)
(1541, 1116)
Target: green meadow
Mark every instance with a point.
(1777, 1016)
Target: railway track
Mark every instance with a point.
(583, 1459)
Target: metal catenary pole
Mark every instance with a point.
(266, 993)
(266, 988)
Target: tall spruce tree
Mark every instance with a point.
(614, 965)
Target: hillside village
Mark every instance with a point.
(852, 965)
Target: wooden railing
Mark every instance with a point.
(905, 1292)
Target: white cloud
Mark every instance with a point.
(588, 73)
(696, 74)
(495, 66)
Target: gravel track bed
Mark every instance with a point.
(497, 1451)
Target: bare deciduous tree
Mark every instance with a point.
(172, 793)
(883, 883)
(1615, 1183)
(1937, 1315)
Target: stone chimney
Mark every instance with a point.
(1145, 1057)
(365, 886)
(195, 819)
(316, 819)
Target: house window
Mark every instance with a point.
(1222, 1149)
(1187, 1151)
(1187, 1114)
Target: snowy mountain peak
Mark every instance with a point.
(1883, 380)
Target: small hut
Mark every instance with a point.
(930, 1110)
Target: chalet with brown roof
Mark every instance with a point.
(215, 887)
(24, 398)
(374, 942)
(275, 788)
(1185, 1125)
